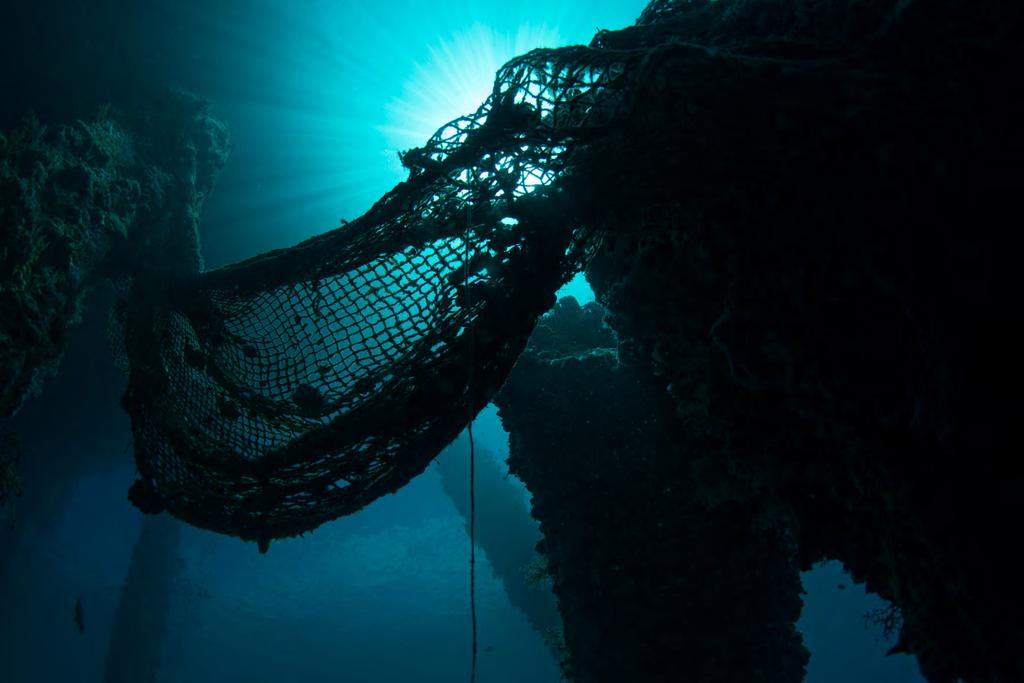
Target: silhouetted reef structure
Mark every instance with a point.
(655, 582)
(93, 201)
(819, 269)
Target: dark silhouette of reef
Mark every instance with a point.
(814, 261)
(655, 581)
(93, 201)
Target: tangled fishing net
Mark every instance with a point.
(276, 394)
(282, 392)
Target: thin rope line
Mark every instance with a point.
(472, 448)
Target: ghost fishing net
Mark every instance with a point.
(276, 394)
(298, 386)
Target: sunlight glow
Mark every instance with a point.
(320, 96)
(456, 80)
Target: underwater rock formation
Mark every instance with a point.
(823, 276)
(65, 198)
(654, 581)
(100, 199)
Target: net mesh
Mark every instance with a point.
(298, 386)
(273, 395)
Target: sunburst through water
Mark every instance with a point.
(456, 79)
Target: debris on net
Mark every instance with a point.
(276, 394)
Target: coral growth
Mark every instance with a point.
(100, 199)
(814, 263)
(66, 200)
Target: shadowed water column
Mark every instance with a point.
(504, 530)
(141, 619)
(104, 199)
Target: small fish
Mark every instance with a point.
(79, 616)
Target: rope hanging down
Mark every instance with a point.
(472, 451)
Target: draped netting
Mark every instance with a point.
(276, 394)
(273, 395)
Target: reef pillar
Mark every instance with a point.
(654, 582)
